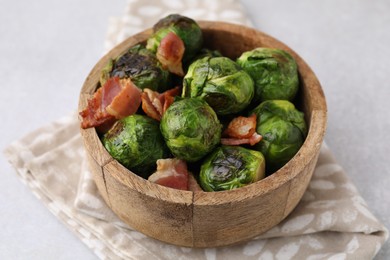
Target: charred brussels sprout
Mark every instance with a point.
(190, 128)
(274, 72)
(185, 28)
(284, 130)
(136, 142)
(231, 167)
(141, 66)
(221, 83)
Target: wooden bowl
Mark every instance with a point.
(209, 219)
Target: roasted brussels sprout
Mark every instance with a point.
(136, 142)
(141, 66)
(187, 30)
(190, 128)
(221, 83)
(284, 130)
(274, 72)
(231, 167)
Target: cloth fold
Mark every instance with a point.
(331, 221)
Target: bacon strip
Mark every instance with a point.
(241, 127)
(171, 173)
(147, 105)
(95, 114)
(115, 100)
(241, 130)
(167, 97)
(127, 101)
(170, 53)
(193, 185)
(155, 104)
(254, 139)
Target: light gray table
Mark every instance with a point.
(48, 47)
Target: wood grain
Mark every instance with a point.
(208, 219)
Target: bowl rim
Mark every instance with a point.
(309, 149)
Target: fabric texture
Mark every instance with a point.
(332, 221)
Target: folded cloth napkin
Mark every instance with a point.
(331, 221)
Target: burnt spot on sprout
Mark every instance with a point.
(225, 167)
(174, 19)
(133, 64)
(116, 129)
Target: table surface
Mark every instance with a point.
(48, 47)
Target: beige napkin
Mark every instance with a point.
(331, 222)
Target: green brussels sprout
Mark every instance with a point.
(141, 66)
(190, 128)
(231, 167)
(221, 83)
(187, 30)
(136, 142)
(284, 130)
(274, 71)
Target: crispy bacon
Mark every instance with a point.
(155, 104)
(170, 53)
(127, 101)
(171, 173)
(193, 185)
(241, 130)
(115, 100)
(147, 104)
(241, 127)
(254, 139)
(168, 100)
(94, 114)
(167, 97)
